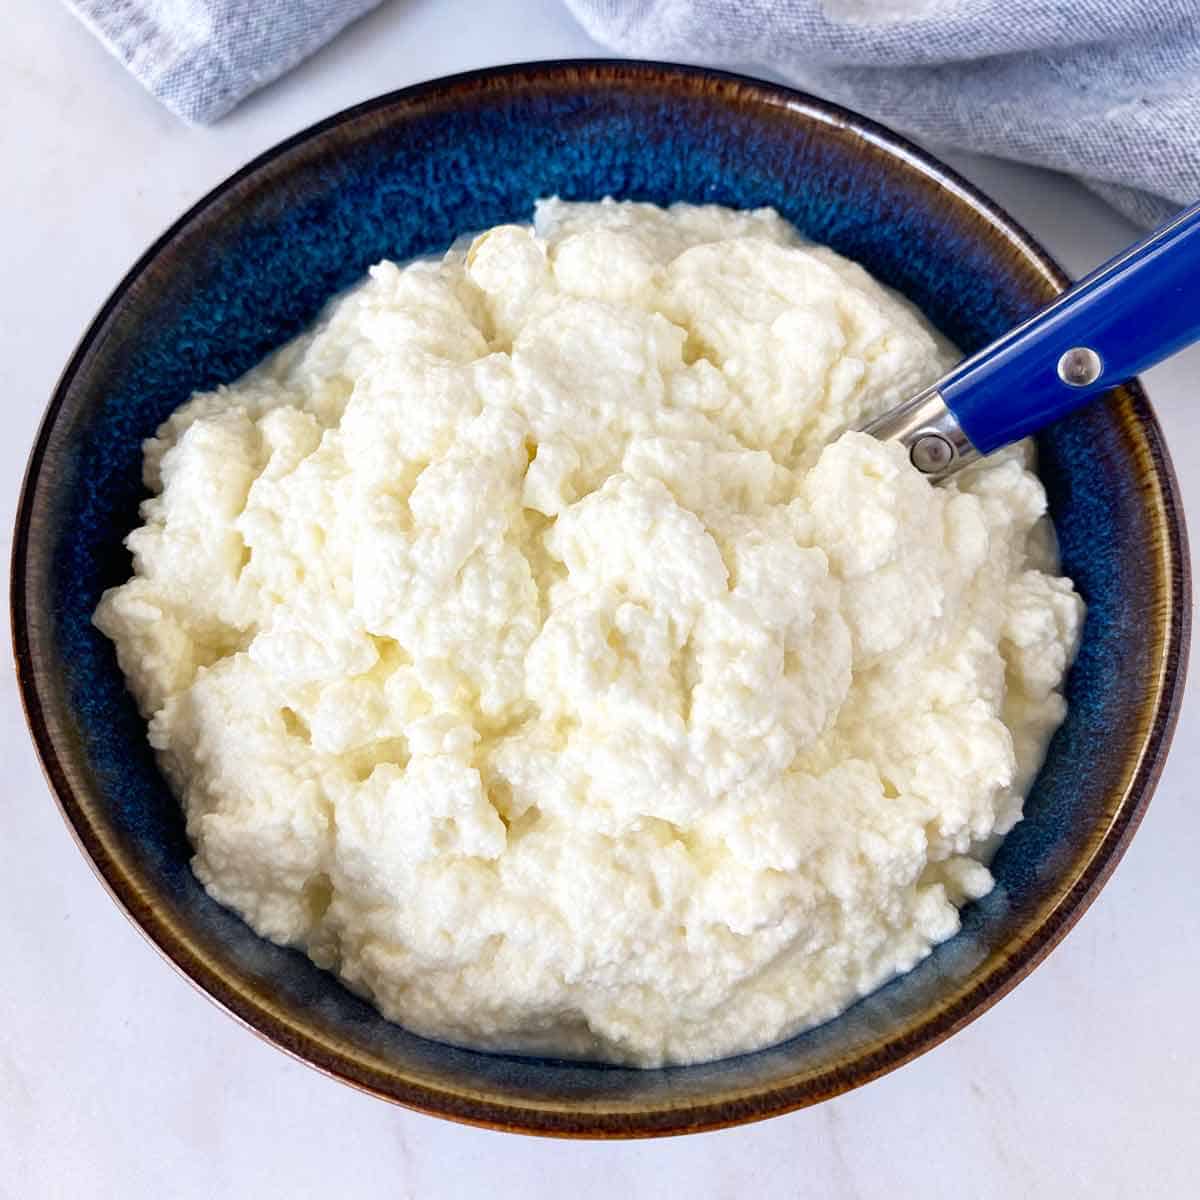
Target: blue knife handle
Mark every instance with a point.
(1131, 313)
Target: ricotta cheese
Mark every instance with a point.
(530, 644)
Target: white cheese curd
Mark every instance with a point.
(530, 643)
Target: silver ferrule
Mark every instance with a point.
(935, 441)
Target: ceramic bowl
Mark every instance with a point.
(253, 262)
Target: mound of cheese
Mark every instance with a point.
(526, 644)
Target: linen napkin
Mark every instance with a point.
(1108, 90)
(200, 57)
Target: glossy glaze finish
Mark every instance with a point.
(251, 264)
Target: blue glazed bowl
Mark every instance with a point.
(252, 264)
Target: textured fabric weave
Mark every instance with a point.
(1108, 90)
(200, 57)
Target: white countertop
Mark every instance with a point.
(117, 1079)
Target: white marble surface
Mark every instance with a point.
(117, 1079)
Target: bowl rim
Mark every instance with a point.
(759, 1102)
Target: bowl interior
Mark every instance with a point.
(253, 264)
